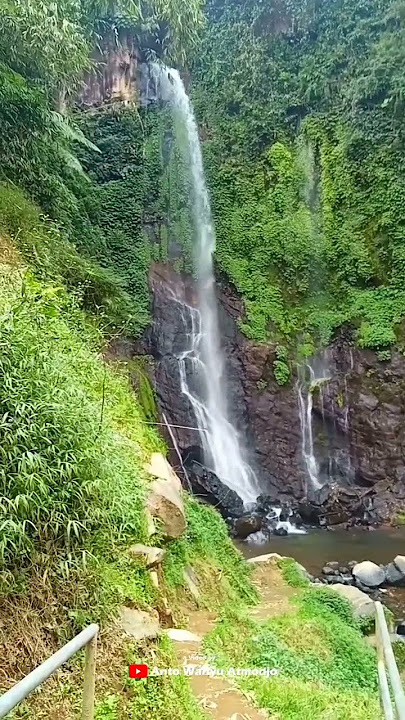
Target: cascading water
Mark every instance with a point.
(317, 377)
(202, 359)
(325, 434)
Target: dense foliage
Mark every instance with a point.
(301, 105)
(45, 49)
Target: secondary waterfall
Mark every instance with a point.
(305, 398)
(202, 363)
(325, 433)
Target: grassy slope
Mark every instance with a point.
(72, 490)
(326, 668)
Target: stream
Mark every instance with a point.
(315, 548)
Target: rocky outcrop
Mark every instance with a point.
(139, 624)
(165, 501)
(265, 415)
(115, 74)
(358, 414)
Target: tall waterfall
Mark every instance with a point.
(201, 363)
(305, 398)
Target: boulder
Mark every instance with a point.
(165, 503)
(160, 468)
(246, 525)
(393, 576)
(363, 605)
(207, 485)
(280, 531)
(369, 574)
(399, 562)
(332, 564)
(139, 624)
(151, 555)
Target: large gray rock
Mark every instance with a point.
(399, 562)
(363, 605)
(393, 573)
(139, 624)
(369, 574)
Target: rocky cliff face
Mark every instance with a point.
(361, 412)
(116, 72)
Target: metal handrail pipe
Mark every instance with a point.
(19, 692)
(394, 676)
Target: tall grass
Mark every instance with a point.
(72, 446)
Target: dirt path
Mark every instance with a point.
(220, 699)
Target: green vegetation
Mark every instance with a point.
(162, 698)
(73, 486)
(91, 173)
(300, 103)
(292, 573)
(72, 445)
(326, 669)
(207, 538)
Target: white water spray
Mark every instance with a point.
(305, 399)
(203, 357)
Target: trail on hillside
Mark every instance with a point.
(218, 696)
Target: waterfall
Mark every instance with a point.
(201, 363)
(318, 375)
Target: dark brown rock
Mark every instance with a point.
(359, 418)
(245, 526)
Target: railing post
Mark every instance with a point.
(89, 679)
(382, 674)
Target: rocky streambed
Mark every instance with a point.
(338, 552)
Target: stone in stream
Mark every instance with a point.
(280, 531)
(401, 628)
(395, 572)
(246, 525)
(399, 562)
(332, 564)
(369, 574)
(327, 570)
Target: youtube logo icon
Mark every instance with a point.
(137, 672)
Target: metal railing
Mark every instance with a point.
(387, 663)
(87, 638)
